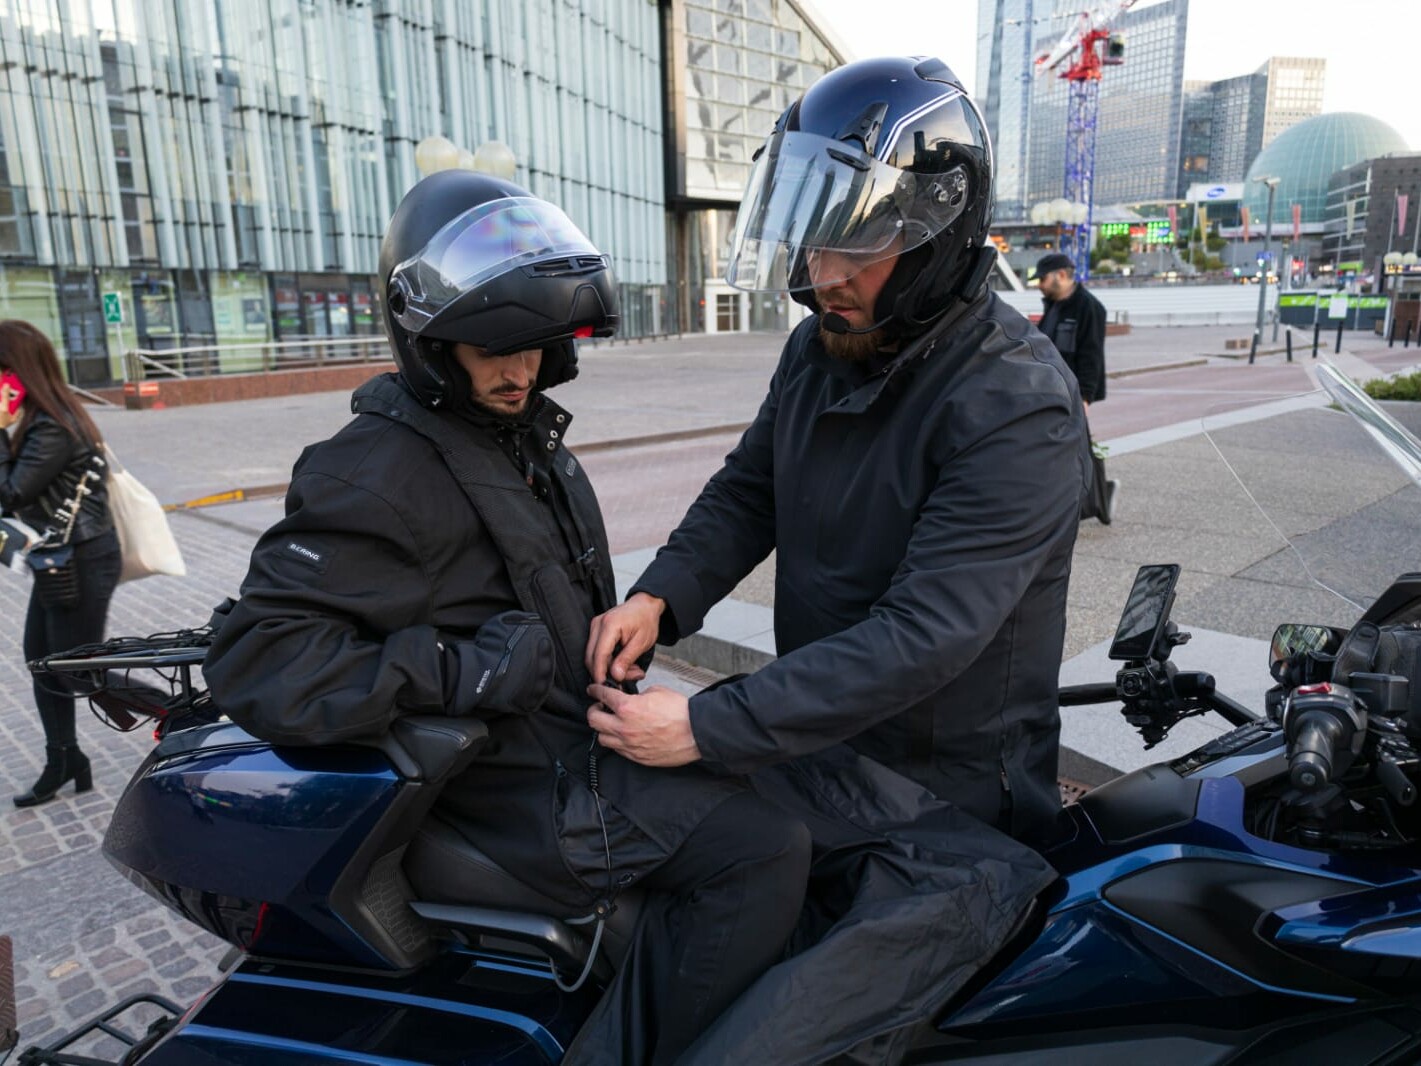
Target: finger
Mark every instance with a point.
(612, 699)
(635, 673)
(606, 725)
(608, 635)
(633, 648)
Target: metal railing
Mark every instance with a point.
(140, 364)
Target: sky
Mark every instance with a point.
(1371, 46)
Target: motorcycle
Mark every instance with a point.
(1236, 903)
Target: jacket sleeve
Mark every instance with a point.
(25, 475)
(994, 517)
(328, 641)
(726, 533)
(1089, 361)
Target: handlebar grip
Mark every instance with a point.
(1313, 753)
(1079, 695)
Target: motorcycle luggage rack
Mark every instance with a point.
(101, 673)
(56, 1052)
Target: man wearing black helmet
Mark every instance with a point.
(444, 554)
(917, 466)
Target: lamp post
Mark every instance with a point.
(1272, 184)
(1391, 264)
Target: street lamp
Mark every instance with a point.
(1272, 184)
(1063, 212)
(1392, 264)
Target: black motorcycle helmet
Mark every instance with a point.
(879, 157)
(472, 259)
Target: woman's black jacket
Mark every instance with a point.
(39, 474)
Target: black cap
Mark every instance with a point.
(1053, 261)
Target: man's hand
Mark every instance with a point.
(653, 728)
(633, 626)
(1086, 406)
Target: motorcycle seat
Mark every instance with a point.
(445, 867)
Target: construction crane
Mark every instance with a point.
(1089, 46)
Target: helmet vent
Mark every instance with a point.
(579, 264)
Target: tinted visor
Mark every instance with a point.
(813, 199)
(480, 244)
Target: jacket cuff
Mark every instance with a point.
(684, 612)
(703, 709)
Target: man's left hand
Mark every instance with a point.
(652, 728)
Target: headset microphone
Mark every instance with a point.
(837, 323)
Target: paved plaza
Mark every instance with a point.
(652, 421)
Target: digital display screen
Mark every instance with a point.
(1145, 612)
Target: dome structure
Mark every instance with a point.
(1305, 156)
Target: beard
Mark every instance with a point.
(504, 413)
(854, 347)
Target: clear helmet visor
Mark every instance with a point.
(817, 211)
(480, 244)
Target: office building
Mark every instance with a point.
(226, 169)
(1227, 123)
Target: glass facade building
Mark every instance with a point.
(1138, 130)
(1141, 102)
(228, 167)
(1306, 157)
(1227, 123)
(732, 67)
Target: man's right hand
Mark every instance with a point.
(631, 627)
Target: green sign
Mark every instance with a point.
(1308, 299)
(1155, 231)
(113, 308)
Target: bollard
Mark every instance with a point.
(1391, 340)
(1316, 332)
(1288, 339)
(1338, 350)
(1407, 342)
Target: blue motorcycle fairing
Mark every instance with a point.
(465, 1009)
(248, 841)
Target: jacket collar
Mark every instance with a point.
(872, 378)
(548, 425)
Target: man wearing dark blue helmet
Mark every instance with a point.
(917, 468)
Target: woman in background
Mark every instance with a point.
(47, 449)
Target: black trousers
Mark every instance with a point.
(50, 629)
(720, 913)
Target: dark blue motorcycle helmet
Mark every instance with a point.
(472, 259)
(877, 158)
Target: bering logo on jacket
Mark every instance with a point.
(308, 556)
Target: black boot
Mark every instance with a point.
(62, 764)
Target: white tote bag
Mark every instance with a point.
(143, 532)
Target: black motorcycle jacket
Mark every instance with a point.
(39, 476)
(407, 534)
(923, 509)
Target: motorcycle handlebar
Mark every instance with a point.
(1313, 752)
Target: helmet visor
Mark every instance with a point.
(817, 211)
(480, 244)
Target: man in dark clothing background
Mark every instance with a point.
(917, 466)
(1074, 321)
(445, 554)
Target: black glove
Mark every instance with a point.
(506, 669)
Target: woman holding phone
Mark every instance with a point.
(47, 451)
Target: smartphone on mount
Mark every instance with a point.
(12, 390)
(1146, 614)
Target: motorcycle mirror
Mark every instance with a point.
(1295, 638)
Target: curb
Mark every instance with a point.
(1180, 364)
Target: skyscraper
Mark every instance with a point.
(1227, 123)
(1137, 140)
